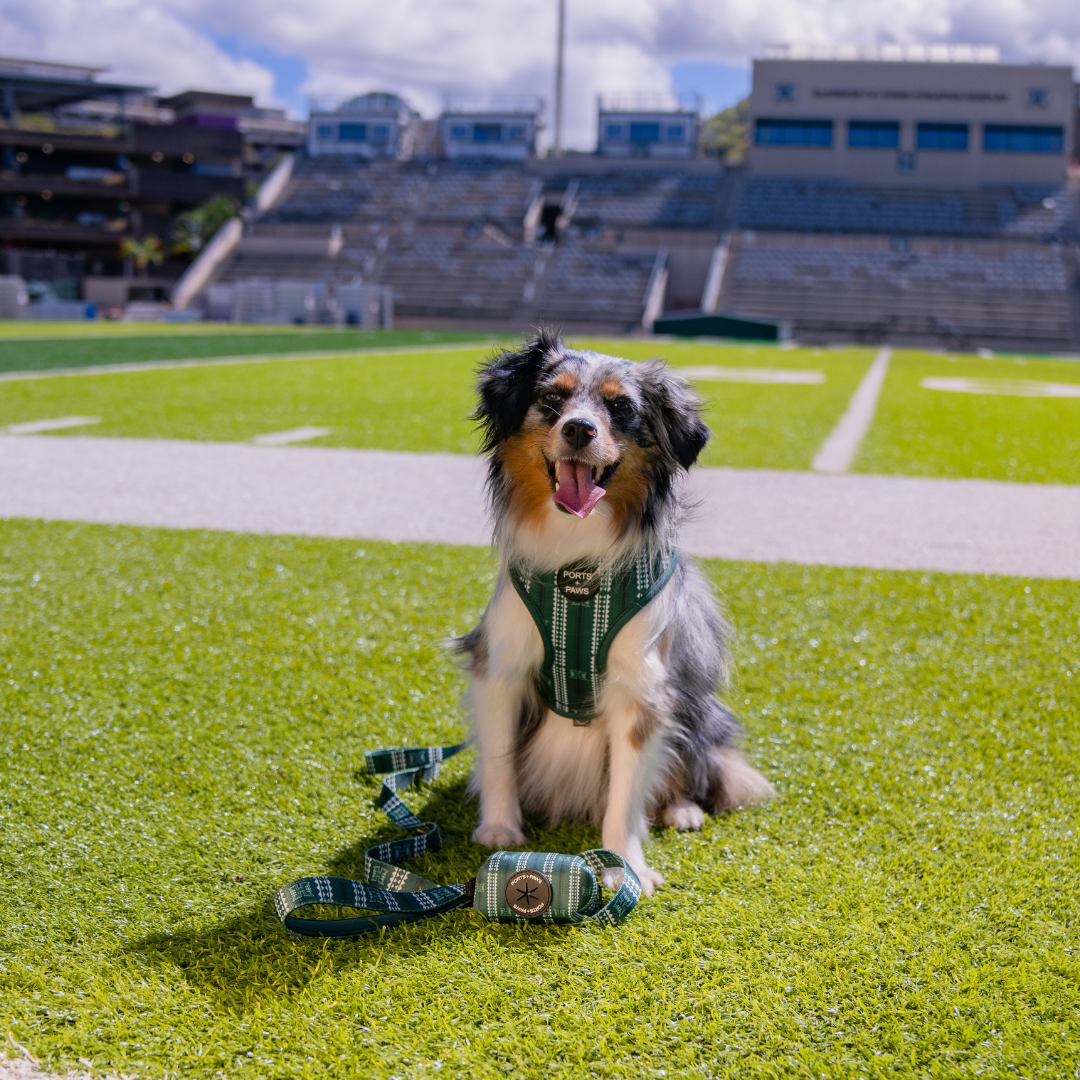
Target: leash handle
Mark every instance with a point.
(399, 896)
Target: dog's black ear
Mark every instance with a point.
(506, 384)
(675, 414)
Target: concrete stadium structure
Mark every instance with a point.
(897, 196)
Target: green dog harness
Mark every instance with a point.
(511, 886)
(579, 610)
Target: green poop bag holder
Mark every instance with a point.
(511, 886)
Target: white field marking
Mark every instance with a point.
(837, 453)
(36, 427)
(750, 374)
(1005, 387)
(283, 438)
(253, 358)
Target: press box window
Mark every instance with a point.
(793, 133)
(380, 134)
(675, 132)
(644, 133)
(458, 132)
(515, 133)
(941, 137)
(1023, 139)
(614, 131)
(352, 132)
(324, 131)
(487, 133)
(874, 134)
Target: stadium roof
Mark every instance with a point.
(33, 85)
(941, 53)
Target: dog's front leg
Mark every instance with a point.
(496, 711)
(631, 753)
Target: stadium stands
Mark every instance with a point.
(961, 293)
(834, 260)
(834, 206)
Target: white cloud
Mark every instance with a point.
(427, 49)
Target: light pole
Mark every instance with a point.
(560, 41)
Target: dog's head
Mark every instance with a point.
(566, 428)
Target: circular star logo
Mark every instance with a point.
(528, 894)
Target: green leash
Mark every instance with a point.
(511, 886)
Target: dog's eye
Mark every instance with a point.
(551, 397)
(619, 404)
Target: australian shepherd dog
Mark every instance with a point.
(587, 454)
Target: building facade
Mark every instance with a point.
(503, 136)
(647, 133)
(954, 119)
(371, 126)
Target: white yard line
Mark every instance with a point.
(838, 451)
(882, 522)
(294, 435)
(253, 358)
(37, 427)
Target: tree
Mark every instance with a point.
(144, 251)
(727, 133)
(194, 228)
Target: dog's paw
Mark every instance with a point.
(650, 879)
(683, 815)
(498, 836)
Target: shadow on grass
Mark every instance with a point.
(250, 957)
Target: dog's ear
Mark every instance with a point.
(506, 384)
(675, 414)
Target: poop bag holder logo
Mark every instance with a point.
(511, 886)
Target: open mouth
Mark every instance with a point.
(579, 485)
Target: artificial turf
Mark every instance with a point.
(420, 401)
(184, 714)
(923, 432)
(38, 351)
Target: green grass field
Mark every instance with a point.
(38, 350)
(421, 401)
(184, 714)
(920, 432)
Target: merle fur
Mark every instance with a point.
(668, 421)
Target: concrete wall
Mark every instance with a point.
(912, 93)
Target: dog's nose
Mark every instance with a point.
(579, 432)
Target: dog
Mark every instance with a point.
(586, 453)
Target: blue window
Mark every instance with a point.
(793, 133)
(641, 132)
(875, 134)
(675, 133)
(614, 131)
(1023, 139)
(380, 133)
(941, 137)
(458, 132)
(353, 132)
(515, 133)
(487, 133)
(324, 131)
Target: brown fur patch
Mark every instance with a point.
(566, 382)
(522, 460)
(611, 388)
(629, 488)
(642, 731)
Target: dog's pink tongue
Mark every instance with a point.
(577, 492)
